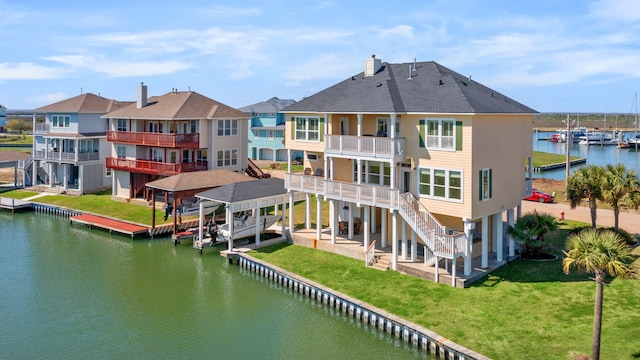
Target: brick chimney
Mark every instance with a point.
(371, 66)
(142, 95)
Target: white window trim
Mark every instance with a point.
(447, 198)
(306, 130)
(440, 121)
(312, 157)
(224, 158)
(485, 172)
(233, 127)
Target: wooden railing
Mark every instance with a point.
(370, 253)
(153, 167)
(369, 146)
(155, 139)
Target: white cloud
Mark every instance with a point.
(397, 31)
(29, 71)
(101, 64)
(49, 98)
(229, 11)
(328, 66)
(615, 10)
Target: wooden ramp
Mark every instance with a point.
(111, 225)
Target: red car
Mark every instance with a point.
(539, 196)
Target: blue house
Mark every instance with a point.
(266, 133)
(3, 119)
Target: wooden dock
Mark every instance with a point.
(14, 204)
(111, 225)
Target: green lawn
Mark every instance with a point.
(544, 158)
(17, 139)
(525, 310)
(17, 194)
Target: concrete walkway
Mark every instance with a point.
(628, 220)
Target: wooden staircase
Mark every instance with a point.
(254, 170)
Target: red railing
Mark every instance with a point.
(153, 167)
(155, 139)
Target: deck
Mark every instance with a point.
(111, 225)
(14, 204)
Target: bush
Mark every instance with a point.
(628, 238)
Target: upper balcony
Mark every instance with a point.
(191, 141)
(153, 167)
(69, 157)
(42, 128)
(371, 147)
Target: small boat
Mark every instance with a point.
(191, 207)
(598, 138)
(245, 226)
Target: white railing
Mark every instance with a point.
(376, 147)
(66, 156)
(364, 194)
(370, 253)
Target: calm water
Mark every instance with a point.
(68, 292)
(596, 155)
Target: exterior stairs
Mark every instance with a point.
(254, 170)
(380, 263)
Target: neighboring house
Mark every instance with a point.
(3, 119)
(427, 157)
(70, 147)
(266, 134)
(180, 131)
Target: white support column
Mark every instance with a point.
(485, 242)
(256, 215)
(359, 172)
(394, 238)
(512, 245)
(334, 220)
(329, 174)
(288, 159)
(230, 222)
(519, 211)
(291, 225)
(453, 272)
(201, 221)
(318, 217)
(359, 115)
(81, 179)
(392, 130)
(414, 246)
(469, 225)
(404, 240)
(350, 220)
(437, 269)
(383, 231)
(283, 220)
(365, 227)
(307, 210)
(374, 224)
(499, 236)
(324, 156)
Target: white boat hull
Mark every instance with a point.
(246, 228)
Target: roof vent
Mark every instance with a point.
(410, 73)
(371, 66)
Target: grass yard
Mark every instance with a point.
(525, 310)
(18, 194)
(544, 158)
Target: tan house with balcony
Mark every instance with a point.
(178, 132)
(70, 146)
(428, 160)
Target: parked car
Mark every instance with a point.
(539, 196)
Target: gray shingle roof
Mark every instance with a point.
(272, 105)
(432, 88)
(178, 105)
(245, 191)
(199, 180)
(87, 103)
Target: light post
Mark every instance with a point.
(569, 141)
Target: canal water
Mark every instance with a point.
(595, 155)
(68, 292)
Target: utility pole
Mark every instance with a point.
(569, 142)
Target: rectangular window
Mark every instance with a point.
(440, 134)
(440, 183)
(157, 155)
(256, 134)
(271, 135)
(202, 156)
(121, 125)
(382, 127)
(227, 127)
(307, 128)
(312, 156)
(60, 121)
(194, 126)
(121, 151)
(107, 172)
(227, 157)
(485, 184)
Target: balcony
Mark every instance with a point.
(364, 146)
(41, 128)
(70, 157)
(364, 194)
(191, 141)
(153, 167)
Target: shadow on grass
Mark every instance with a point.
(272, 248)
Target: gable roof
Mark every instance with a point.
(199, 180)
(272, 105)
(86, 103)
(245, 191)
(178, 105)
(431, 88)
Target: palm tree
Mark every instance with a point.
(585, 183)
(531, 230)
(618, 183)
(599, 253)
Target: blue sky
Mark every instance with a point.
(554, 56)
